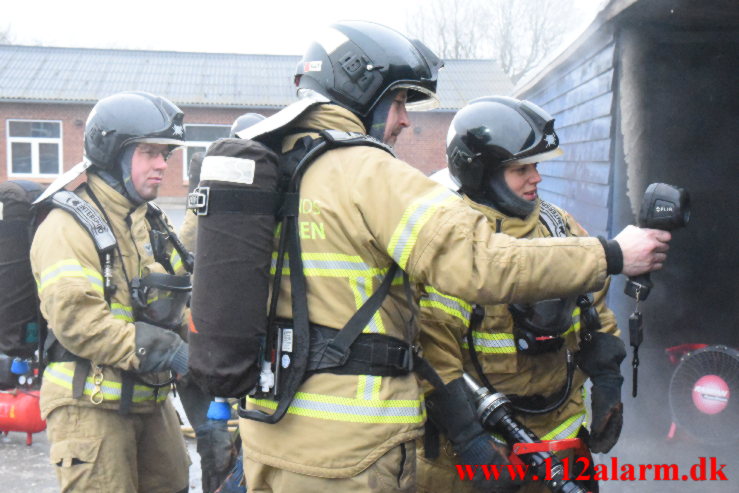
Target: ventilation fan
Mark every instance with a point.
(704, 394)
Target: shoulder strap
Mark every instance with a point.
(552, 219)
(338, 138)
(290, 242)
(104, 239)
(87, 217)
(339, 347)
(154, 215)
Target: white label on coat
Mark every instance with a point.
(229, 169)
(1, 211)
(287, 340)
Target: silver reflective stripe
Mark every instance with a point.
(331, 265)
(364, 290)
(122, 312)
(568, 429)
(111, 390)
(493, 343)
(334, 408)
(69, 268)
(342, 267)
(355, 410)
(415, 216)
(368, 387)
(453, 306)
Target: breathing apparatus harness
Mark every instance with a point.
(303, 348)
(538, 328)
(162, 311)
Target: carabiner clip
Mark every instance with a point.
(96, 396)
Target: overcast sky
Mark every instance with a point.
(247, 26)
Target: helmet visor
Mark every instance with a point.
(536, 158)
(419, 98)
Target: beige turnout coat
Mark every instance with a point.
(444, 328)
(360, 210)
(68, 273)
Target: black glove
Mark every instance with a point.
(601, 359)
(216, 451)
(452, 410)
(160, 349)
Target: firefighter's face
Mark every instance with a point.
(522, 179)
(397, 118)
(148, 164)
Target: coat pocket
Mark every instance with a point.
(75, 461)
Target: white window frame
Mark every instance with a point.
(34, 141)
(197, 143)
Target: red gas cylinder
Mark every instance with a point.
(19, 411)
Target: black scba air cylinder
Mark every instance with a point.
(233, 256)
(18, 312)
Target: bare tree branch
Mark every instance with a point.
(519, 34)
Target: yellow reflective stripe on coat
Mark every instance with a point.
(362, 289)
(330, 265)
(121, 312)
(368, 387)
(448, 304)
(360, 275)
(414, 218)
(351, 410)
(66, 269)
(575, 327)
(492, 343)
(62, 376)
(175, 260)
(568, 429)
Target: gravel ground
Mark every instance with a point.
(26, 468)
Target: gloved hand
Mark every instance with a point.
(160, 349)
(601, 359)
(452, 410)
(217, 453)
(608, 418)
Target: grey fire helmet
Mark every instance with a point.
(119, 122)
(490, 133)
(245, 121)
(359, 65)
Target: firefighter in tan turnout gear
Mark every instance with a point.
(115, 315)
(526, 351)
(362, 210)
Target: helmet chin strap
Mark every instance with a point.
(502, 198)
(119, 177)
(125, 161)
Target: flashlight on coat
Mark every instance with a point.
(664, 207)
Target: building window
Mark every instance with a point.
(199, 137)
(34, 148)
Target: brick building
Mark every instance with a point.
(46, 94)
